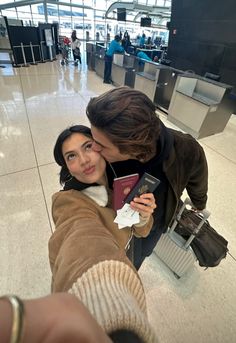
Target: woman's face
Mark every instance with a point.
(84, 164)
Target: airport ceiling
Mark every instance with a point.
(134, 9)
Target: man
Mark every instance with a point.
(133, 139)
(114, 47)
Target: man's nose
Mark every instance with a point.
(96, 147)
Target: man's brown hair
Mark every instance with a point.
(127, 117)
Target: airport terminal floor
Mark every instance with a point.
(36, 103)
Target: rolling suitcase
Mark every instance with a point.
(174, 250)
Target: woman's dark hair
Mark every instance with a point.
(128, 119)
(57, 152)
(73, 35)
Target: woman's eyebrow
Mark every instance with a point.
(72, 151)
(88, 141)
(68, 152)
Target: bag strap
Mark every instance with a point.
(204, 214)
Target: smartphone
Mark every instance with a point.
(147, 184)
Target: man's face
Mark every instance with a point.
(106, 148)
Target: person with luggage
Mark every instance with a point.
(87, 251)
(75, 46)
(114, 47)
(129, 134)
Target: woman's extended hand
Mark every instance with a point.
(145, 205)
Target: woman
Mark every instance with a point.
(87, 250)
(75, 46)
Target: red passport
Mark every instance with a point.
(121, 188)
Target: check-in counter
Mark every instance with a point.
(146, 81)
(200, 106)
(99, 59)
(165, 86)
(123, 72)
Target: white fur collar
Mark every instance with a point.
(97, 194)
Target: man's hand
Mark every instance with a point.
(145, 205)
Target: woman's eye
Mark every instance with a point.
(70, 157)
(88, 146)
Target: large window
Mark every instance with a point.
(24, 13)
(87, 15)
(37, 13)
(9, 13)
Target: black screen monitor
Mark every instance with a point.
(146, 22)
(121, 14)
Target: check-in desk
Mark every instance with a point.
(99, 59)
(146, 81)
(123, 72)
(165, 86)
(200, 106)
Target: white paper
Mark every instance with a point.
(126, 217)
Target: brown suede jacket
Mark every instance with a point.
(85, 235)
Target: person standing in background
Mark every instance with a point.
(114, 47)
(75, 46)
(142, 40)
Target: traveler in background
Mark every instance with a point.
(142, 40)
(149, 42)
(75, 46)
(126, 41)
(114, 47)
(129, 134)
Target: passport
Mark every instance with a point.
(121, 188)
(147, 184)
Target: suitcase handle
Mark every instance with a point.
(205, 215)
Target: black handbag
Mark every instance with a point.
(208, 245)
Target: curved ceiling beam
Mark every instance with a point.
(136, 7)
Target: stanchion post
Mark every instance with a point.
(41, 46)
(23, 54)
(14, 64)
(32, 53)
(50, 53)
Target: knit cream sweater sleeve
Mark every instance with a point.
(114, 295)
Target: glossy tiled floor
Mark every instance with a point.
(36, 103)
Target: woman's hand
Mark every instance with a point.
(145, 205)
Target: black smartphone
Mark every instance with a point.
(147, 184)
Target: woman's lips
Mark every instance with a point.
(89, 171)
